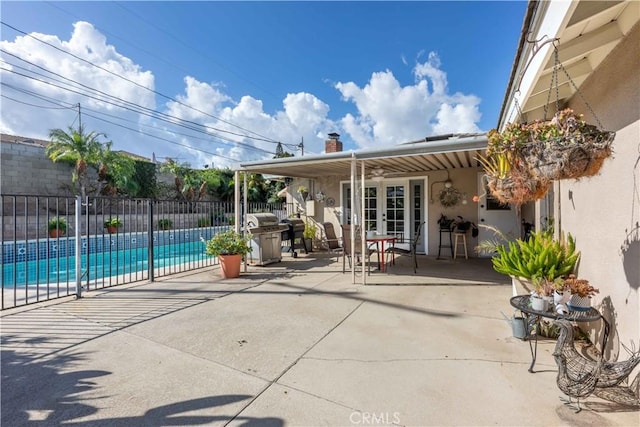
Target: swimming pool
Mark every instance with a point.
(52, 261)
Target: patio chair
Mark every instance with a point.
(331, 242)
(413, 246)
(349, 252)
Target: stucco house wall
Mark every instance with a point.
(603, 212)
(464, 180)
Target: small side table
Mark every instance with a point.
(531, 317)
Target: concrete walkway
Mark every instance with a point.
(294, 344)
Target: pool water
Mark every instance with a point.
(100, 265)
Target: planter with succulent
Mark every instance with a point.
(565, 147)
(229, 247)
(309, 233)
(540, 256)
(165, 224)
(581, 293)
(508, 178)
(543, 290)
(57, 226)
(523, 159)
(112, 224)
(304, 192)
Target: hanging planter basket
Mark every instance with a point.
(517, 188)
(566, 148)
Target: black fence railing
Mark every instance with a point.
(118, 241)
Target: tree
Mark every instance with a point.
(220, 183)
(83, 149)
(116, 172)
(189, 183)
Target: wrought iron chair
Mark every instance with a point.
(331, 242)
(349, 252)
(413, 246)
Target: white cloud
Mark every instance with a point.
(389, 113)
(386, 112)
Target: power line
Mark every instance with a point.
(136, 109)
(126, 127)
(107, 95)
(266, 139)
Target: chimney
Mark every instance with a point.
(333, 144)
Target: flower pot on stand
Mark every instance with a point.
(230, 266)
(538, 303)
(560, 297)
(578, 303)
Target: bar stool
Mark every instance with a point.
(443, 245)
(460, 238)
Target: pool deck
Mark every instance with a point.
(294, 343)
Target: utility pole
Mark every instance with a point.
(301, 146)
(79, 119)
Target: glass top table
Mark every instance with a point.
(531, 317)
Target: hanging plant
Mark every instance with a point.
(508, 179)
(566, 147)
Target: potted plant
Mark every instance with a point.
(229, 247)
(304, 192)
(565, 147)
(538, 256)
(581, 293)
(508, 178)
(309, 233)
(112, 224)
(543, 289)
(57, 226)
(204, 222)
(165, 224)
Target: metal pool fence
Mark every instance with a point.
(118, 241)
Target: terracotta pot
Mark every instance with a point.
(56, 233)
(230, 266)
(112, 230)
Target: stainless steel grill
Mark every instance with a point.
(266, 238)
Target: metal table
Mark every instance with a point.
(382, 239)
(531, 317)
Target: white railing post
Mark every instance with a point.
(78, 245)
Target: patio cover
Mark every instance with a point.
(413, 158)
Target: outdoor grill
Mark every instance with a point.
(294, 231)
(266, 237)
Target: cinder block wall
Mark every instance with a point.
(26, 169)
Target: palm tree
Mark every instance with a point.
(78, 147)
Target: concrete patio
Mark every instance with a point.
(293, 343)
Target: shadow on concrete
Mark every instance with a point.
(49, 392)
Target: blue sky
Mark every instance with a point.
(378, 73)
